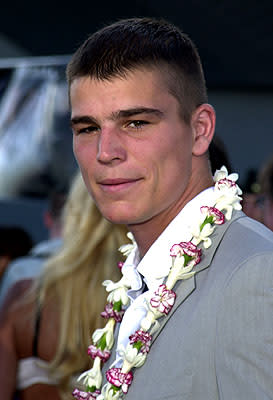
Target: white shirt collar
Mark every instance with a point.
(156, 263)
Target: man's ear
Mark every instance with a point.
(203, 125)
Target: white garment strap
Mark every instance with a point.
(131, 321)
(31, 371)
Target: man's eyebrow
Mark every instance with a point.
(85, 119)
(82, 119)
(135, 111)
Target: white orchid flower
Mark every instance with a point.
(92, 377)
(225, 185)
(108, 330)
(202, 236)
(118, 290)
(151, 317)
(172, 279)
(179, 271)
(228, 204)
(222, 173)
(131, 356)
(119, 294)
(110, 285)
(126, 249)
(107, 393)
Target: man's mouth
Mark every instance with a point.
(118, 184)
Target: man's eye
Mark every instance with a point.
(138, 124)
(87, 129)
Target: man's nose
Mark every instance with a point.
(110, 146)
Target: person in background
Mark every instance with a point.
(14, 242)
(30, 265)
(265, 179)
(251, 202)
(45, 326)
(218, 155)
(142, 127)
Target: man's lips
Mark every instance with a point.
(118, 184)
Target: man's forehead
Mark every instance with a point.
(157, 73)
(140, 91)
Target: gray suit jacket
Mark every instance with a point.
(217, 341)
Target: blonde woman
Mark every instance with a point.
(44, 337)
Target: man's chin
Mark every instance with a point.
(118, 212)
(120, 218)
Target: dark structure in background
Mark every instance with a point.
(235, 41)
(36, 156)
(234, 38)
(35, 136)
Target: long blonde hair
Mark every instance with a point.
(88, 256)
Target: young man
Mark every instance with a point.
(142, 128)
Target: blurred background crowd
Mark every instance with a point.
(39, 181)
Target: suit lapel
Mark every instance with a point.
(184, 288)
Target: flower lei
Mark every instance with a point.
(184, 255)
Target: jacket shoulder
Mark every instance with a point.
(247, 235)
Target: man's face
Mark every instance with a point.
(133, 149)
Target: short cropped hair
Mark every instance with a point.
(128, 44)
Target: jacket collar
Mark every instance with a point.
(184, 288)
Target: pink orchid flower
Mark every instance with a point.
(225, 183)
(163, 300)
(187, 248)
(80, 395)
(218, 216)
(109, 312)
(144, 337)
(94, 352)
(119, 379)
(120, 264)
